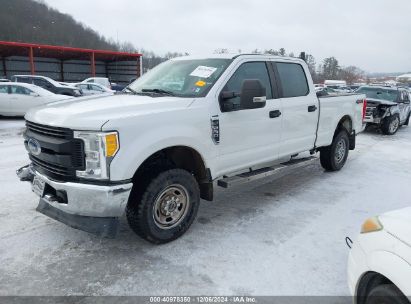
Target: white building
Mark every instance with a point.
(404, 78)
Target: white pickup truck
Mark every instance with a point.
(186, 126)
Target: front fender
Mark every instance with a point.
(392, 111)
(138, 147)
(393, 267)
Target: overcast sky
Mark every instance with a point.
(374, 35)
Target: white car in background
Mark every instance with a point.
(17, 98)
(100, 80)
(379, 263)
(93, 89)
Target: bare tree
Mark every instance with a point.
(351, 74)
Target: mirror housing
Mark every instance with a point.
(321, 93)
(253, 94)
(33, 94)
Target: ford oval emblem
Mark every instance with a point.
(34, 146)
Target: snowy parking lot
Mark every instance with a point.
(270, 237)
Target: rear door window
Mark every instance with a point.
(4, 89)
(15, 89)
(293, 80)
(23, 79)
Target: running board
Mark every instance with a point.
(281, 169)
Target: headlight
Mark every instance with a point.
(371, 225)
(99, 148)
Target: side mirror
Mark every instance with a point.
(253, 94)
(226, 103)
(33, 94)
(321, 93)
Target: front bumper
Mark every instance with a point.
(92, 208)
(372, 120)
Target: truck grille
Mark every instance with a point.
(49, 131)
(61, 154)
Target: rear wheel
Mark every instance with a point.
(333, 157)
(390, 124)
(386, 294)
(166, 208)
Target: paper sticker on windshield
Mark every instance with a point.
(203, 71)
(200, 83)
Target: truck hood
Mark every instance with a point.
(398, 223)
(91, 113)
(381, 102)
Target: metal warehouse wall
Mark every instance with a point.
(74, 70)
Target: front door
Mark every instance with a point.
(249, 136)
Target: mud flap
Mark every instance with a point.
(352, 137)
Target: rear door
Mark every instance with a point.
(22, 101)
(404, 105)
(5, 103)
(85, 88)
(300, 108)
(96, 89)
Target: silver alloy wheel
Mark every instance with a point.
(171, 206)
(340, 151)
(394, 125)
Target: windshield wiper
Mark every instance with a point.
(131, 90)
(158, 91)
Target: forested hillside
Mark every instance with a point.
(33, 21)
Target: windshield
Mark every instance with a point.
(184, 78)
(379, 93)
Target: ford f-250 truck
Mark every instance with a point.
(183, 128)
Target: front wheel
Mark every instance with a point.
(333, 157)
(390, 124)
(166, 208)
(386, 294)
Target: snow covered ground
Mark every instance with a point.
(270, 237)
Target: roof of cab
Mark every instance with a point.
(236, 55)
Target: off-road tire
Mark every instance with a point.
(387, 122)
(141, 207)
(387, 293)
(332, 158)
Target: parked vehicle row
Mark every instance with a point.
(30, 91)
(48, 84)
(17, 98)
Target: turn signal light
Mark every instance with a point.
(111, 144)
(371, 225)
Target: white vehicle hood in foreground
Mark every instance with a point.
(398, 223)
(90, 113)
